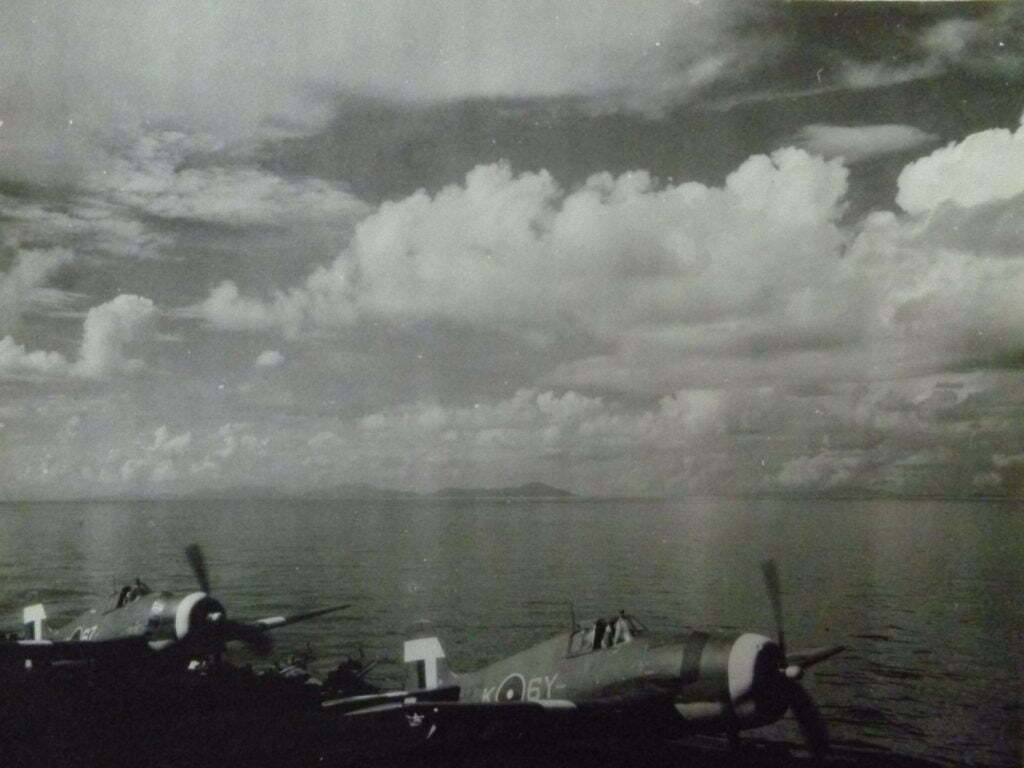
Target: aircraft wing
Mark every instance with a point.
(389, 701)
(273, 622)
(55, 651)
(475, 720)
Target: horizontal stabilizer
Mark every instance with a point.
(425, 661)
(33, 616)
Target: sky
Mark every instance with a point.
(625, 249)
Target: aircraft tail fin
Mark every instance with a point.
(425, 660)
(33, 616)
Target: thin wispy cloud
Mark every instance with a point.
(856, 143)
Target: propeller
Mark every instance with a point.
(808, 717)
(771, 582)
(198, 564)
(795, 696)
(254, 634)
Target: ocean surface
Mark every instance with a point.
(927, 595)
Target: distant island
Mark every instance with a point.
(532, 490)
(527, 490)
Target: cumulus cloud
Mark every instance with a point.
(856, 143)
(233, 437)
(518, 252)
(17, 362)
(688, 285)
(23, 284)
(799, 352)
(108, 331)
(270, 358)
(529, 434)
(149, 465)
(227, 309)
(986, 166)
(166, 443)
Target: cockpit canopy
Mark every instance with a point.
(131, 592)
(598, 634)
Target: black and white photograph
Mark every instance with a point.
(535, 383)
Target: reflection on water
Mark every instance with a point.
(925, 594)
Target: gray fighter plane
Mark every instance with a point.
(614, 673)
(141, 622)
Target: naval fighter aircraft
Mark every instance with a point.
(612, 675)
(141, 623)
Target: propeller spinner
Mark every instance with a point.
(204, 618)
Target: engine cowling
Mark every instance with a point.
(754, 664)
(198, 617)
(728, 681)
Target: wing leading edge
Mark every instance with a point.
(53, 651)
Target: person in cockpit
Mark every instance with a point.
(623, 632)
(601, 631)
(137, 590)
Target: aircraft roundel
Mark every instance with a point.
(512, 688)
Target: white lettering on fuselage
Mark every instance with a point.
(534, 689)
(550, 683)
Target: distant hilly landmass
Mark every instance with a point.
(527, 490)
(367, 491)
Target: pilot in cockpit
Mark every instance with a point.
(137, 590)
(623, 632)
(601, 630)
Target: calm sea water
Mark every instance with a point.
(927, 595)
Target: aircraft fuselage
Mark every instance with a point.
(163, 618)
(708, 682)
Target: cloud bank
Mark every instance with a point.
(687, 284)
(615, 255)
(985, 167)
(108, 332)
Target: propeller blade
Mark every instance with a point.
(809, 718)
(198, 565)
(771, 582)
(805, 659)
(254, 636)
